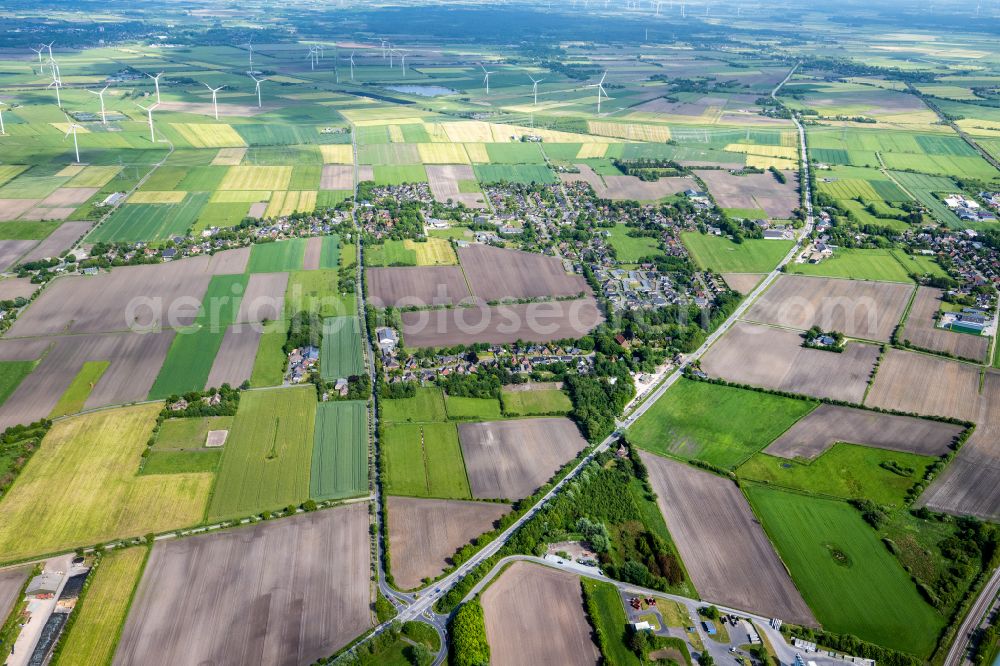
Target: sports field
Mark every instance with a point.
(85, 465)
(722, 255)
(716, 424)
(340, 451)
(266, 460)
(98, 619)
(340, 355)
(846, 471)
(424, 460)
(846, 575)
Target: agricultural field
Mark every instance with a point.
(528, 596)
(852, 264)
(846, 574)
(716, 424)
(277, 257)
(922, 332)
(512, 459)
(722, 255)
(727, 554)
(535, 402)
(418, 286)
(427, 405)
(267, 457)
(424, 533)
(951, 388)
(340, 353)
(424, 460)
(858, 309)
(471, 409)
(84, 465)
(497, 273)
(340, 451)
(323, 605)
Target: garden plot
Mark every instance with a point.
(266, 594)
(531, 322)
(424, 533)
(135, 361)
(775, 358)
(858, 309)
(446, 182)
(234, 361)
(727, 555)
(420, 286)
(759, 190)
(512, 459)
(947, 388)
(497, 273)
(829, 424)
(920, 329)
(535, 615)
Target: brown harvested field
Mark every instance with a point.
(743, 283)
(924, 384)
(420, 286)
(620, 188)
(11, 288)
(532, 322)
(727, 553)
(756, 190)
(130, 297)
(68, 196)
(535, 615)
(774, 358)
(12, 250)
(512, 459)
(858, 309)
(11, 581)
(257, 209)
(286, 591)
(135, 361)
(37, 214)
(828, 424)
(425, 533)
(970, 485)
(234, 362)
(443, 180)
(264, 298)
(228, 262)
(496, 273)
(314, 249)
(11, 209)
(920, 329)
(366, 172)
(58, 241)
(337, 177)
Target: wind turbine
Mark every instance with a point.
(402, 60)
(600, 91)
(100, 95)
(41, 63)
(391, 51)
(49, 47)
(57, 83)
(313, 55)
(384, 42)
(258, 82)
(250, 46)
(215, 100)
(352, 65)
(156, 82)
(534, 87)
(149, 114)
(3, 132)
(73, 127)
(486, 79)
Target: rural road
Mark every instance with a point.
(986, 600)
(420, 606)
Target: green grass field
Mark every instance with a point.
(27, 230)
(716, 424)
(846, 471)
(269, 364)
(76, 395)
(329, 256)
(150, 222)
(532, 403)
(192, 352)
(389, 253)
(849, 579)
(724, 256)
(514, 173)
(424, 460)
(266, 460)
(472, 409)
(340, 451)
(426, 406)
(915, 263)
(611, 621)
(12, 373)
(85, 465)
(277, 257)
(316, 291)
(181, 462)
(189, 434)
(99, 618)
(630, 250)
(340, 355)
(399, 174)
(879, 265)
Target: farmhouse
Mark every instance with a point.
(387, 339)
